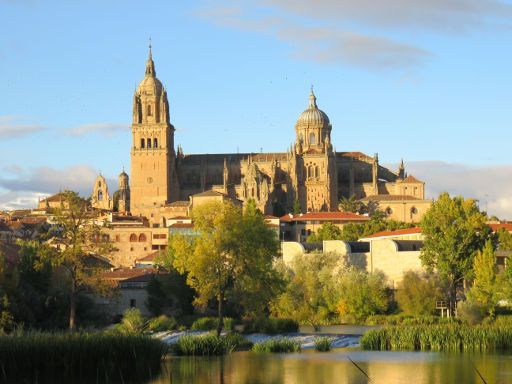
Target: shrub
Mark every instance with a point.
(133, 323)
(323, 344)
(277, 345)
(162, 323)
(271, 325)
(471, 312)
(207, 345)
(211, 324)
(417, 294)
(79, 357)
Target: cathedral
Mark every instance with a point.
(310, 175)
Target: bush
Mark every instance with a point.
(207, 345)
(162, 323)
(271, 325)
(471, 312)
(79, 357)
(417, 294)
(133, 323)
(362, 294)
(401, 319)
(278, 345)
(211, 324)
(323, 344)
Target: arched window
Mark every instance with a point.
(99, 184)
(142, 238)
(133, 238)
(310, 171)
(149, 143)
(317, 172)
(155, 143)
(142, 143)
(149, 110)
(312, 139)
(100, 195)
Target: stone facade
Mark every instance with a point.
(311, 174)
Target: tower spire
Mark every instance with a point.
(150, 65)
(312, 99)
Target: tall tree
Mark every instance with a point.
(351, 204)
(454, 230)
(233, 252)
(75, 239)
(484, 284)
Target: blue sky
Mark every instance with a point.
(428, 81)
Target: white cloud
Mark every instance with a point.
(22, 188)
(107, 129)
(15, 126)
(491, 185)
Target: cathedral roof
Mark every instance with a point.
(313, 115)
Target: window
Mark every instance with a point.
(389, 211)
(133, 303)
(155, 143)
(133, 238)
(312, 139)
(149, 143)
(149, 110)
(142, 143)
(414, 211)
(317, 172)
(118, 238)
(142, 238)
(100, 195)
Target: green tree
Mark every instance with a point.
(350, 204)
(504, 239)
(484, 289)
(417, 293)
(296, 207)
(454, 229)
(328, 231)
(361, 294)
(76, 237)
(233, 252)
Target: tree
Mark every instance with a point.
(484, 287)
(75, 239)
(361, 294)
(233, 252)
(350, 205)
(417, 293)
(504, 239)
(454, 229)
(296, 207)
(328, 231)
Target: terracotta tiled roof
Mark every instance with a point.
(411, 179)
(129, 273)
(179, 218)
(355, 155)
(181, 203)
(54, 198)
(390, 198)
(33, 220)
(208, 193)
(324, 216)
(150, 257)
(398, 232)
(495, 227)
(181, 225)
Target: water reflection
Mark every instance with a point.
(335, 367)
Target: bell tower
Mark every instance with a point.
(153, 172)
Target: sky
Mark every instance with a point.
(427, 81)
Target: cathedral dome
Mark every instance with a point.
(312, 115)
(150, 85)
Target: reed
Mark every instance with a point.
(323, 344)
(211, 324)
(79, 358)
(278, 345)
(208, 345)
(452, 337)
(270, 325)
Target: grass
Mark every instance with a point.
(278, 345)
(270, 325)
(323, 344)
(79, 357)
(208, 345)
(211, 323)
(452, 337)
